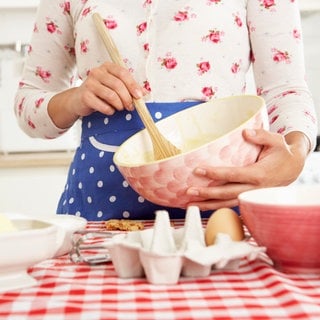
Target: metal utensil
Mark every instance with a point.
(162, 148)
(90, 247)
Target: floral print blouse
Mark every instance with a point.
(179, 50)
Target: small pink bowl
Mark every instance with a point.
(285, 220)
(208, 134)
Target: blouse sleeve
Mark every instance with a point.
(278, 66)
(49, 68)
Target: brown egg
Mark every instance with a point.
(224, 220)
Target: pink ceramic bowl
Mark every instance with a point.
(208, 134)
(285, 220)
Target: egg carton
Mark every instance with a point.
(163, 254)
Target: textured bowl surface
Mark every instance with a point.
(286, 220)
(208, 134)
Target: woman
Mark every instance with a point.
(177, 54)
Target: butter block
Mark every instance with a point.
(6, 224)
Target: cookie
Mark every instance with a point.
(124, 225)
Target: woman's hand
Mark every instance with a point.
(107, 89)
(279, 163)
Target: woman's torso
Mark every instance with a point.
(179, 50)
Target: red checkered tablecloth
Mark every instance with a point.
(68, 291)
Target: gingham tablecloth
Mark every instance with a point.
(68, 291)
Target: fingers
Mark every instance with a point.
(92, 102)
(214, 204)
(253, 174)
(110, 88)
(245, 175)
(225, 192)
(218, 196)
(276, 165)
(263, 138)
(122, 82)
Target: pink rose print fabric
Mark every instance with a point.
(181, 52)
(178, 50)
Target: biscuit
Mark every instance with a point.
(124, 225)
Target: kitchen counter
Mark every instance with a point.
(36, 159)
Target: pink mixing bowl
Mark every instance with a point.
(285, 220)
(208, 134)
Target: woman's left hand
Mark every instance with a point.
(280, 162)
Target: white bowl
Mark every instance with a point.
(38, 238)
(67, 226)
(33, 242)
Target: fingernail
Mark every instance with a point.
(130, 107)
(138, 93)
(200, 171)
(251, 132)
(192, 192)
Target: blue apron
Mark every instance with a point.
(95, 189)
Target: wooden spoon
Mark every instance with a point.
(162, 148)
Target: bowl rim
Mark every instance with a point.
(47, 228)
(249, 197)
(245, 96)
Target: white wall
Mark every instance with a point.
(16, 24)
(31, 190)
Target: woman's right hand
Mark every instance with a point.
(107, 89)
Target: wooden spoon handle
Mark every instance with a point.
(108, 41)
(162, 147)
(117, 59)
